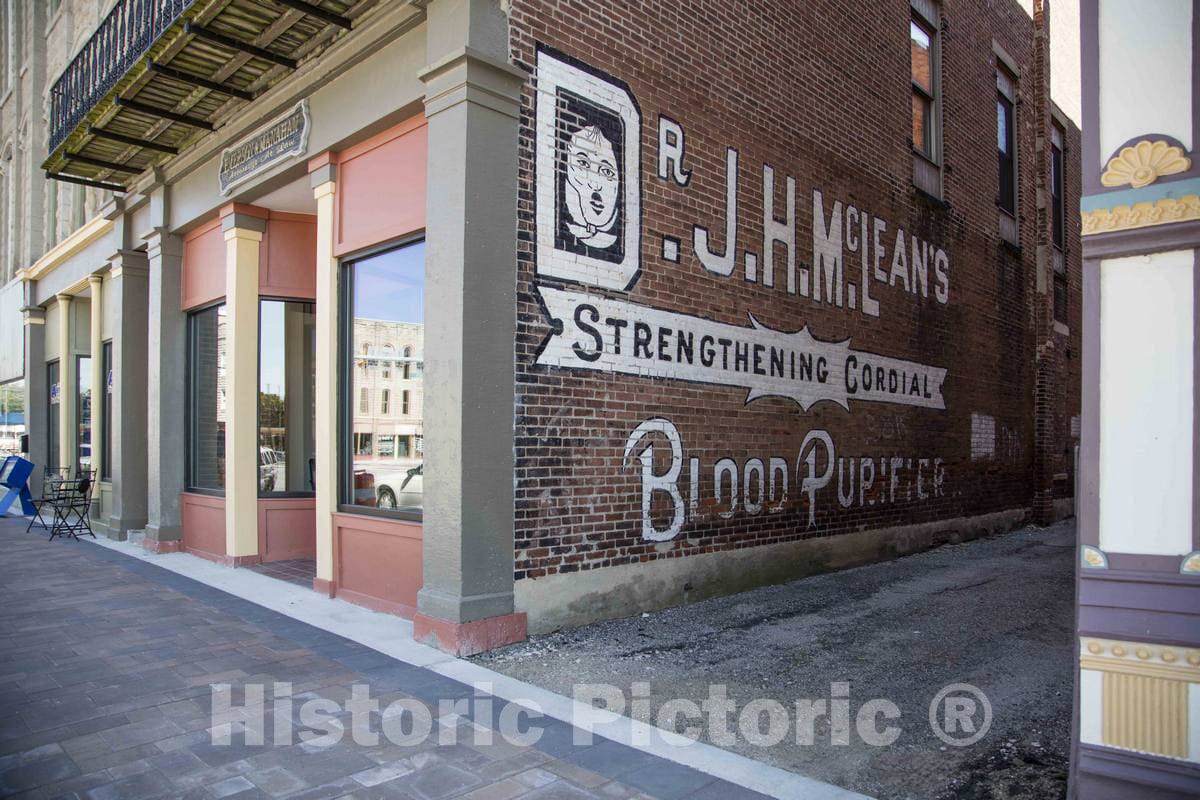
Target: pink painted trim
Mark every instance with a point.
(377, 562)
(381, 187)
(287, 528)
(203, 520)
(244, 208)
(155, 546)
(318, 161)
(287, 260)
(203, 279)
(324, 587)
(469, 638)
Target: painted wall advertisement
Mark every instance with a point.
(589, 235)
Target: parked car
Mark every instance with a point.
(401, 489)
(267, 469)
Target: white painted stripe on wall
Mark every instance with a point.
(1145, 58)
(1091, 706)
(1146, 364)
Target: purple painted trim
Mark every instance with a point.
(1089, 54)
(1143, 606)
(1141, 562)
(1105, 773)
(1195, 397)
(1139, 241)
(1093, 160)
(1089, 438)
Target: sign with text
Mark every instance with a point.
(281, 139)
(597, 333)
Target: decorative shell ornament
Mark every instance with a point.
(1143, 163)
(1191, 563)
(1093, 557)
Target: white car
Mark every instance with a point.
(400, 490)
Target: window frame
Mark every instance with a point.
(53, 417)
(1058, 178)
(345, 373)
(258, 398)
(77, 428)
(1010, 105)
(106, 410)
(931, 94)
(188, 470)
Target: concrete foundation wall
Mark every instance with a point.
(574, 599)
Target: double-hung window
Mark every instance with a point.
(926, 90)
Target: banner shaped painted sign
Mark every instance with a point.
(597, 333)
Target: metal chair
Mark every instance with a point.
(53, 483)
(73, 506)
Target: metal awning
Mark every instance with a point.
(157, 75)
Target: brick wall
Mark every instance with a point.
(821, 94)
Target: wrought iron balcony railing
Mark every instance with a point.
(157, 76)
(125, 35)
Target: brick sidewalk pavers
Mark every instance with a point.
(106, 667)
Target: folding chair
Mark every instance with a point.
(53, 483)
(73, 507)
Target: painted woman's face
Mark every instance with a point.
(592, 179)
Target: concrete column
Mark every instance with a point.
(243, 238)
(165, 386)
(67, 432)
(36, 408)
(472, 102)
(128, 285)
(324, 183)
(96, 349)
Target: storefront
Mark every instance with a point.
(503, 332)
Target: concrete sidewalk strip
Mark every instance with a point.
(379, 647)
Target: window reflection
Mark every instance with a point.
(386, 308)
(286, 408)
(83, 412)
(206, 399)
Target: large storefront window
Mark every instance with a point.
(206, 400)
(83, 412)
(383, 347)
(106, 412)
(286, 375)
(53, 397)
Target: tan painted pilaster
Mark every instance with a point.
(66, 384)
(243, 237)
(324, 183)
(96, 283)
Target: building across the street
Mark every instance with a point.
(518, 315)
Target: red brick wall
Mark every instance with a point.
(821, 93)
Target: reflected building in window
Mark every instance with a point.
(388, 367)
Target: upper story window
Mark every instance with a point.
(1058, 195)
(923, 41)
(1006, 142)
(926, 57)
